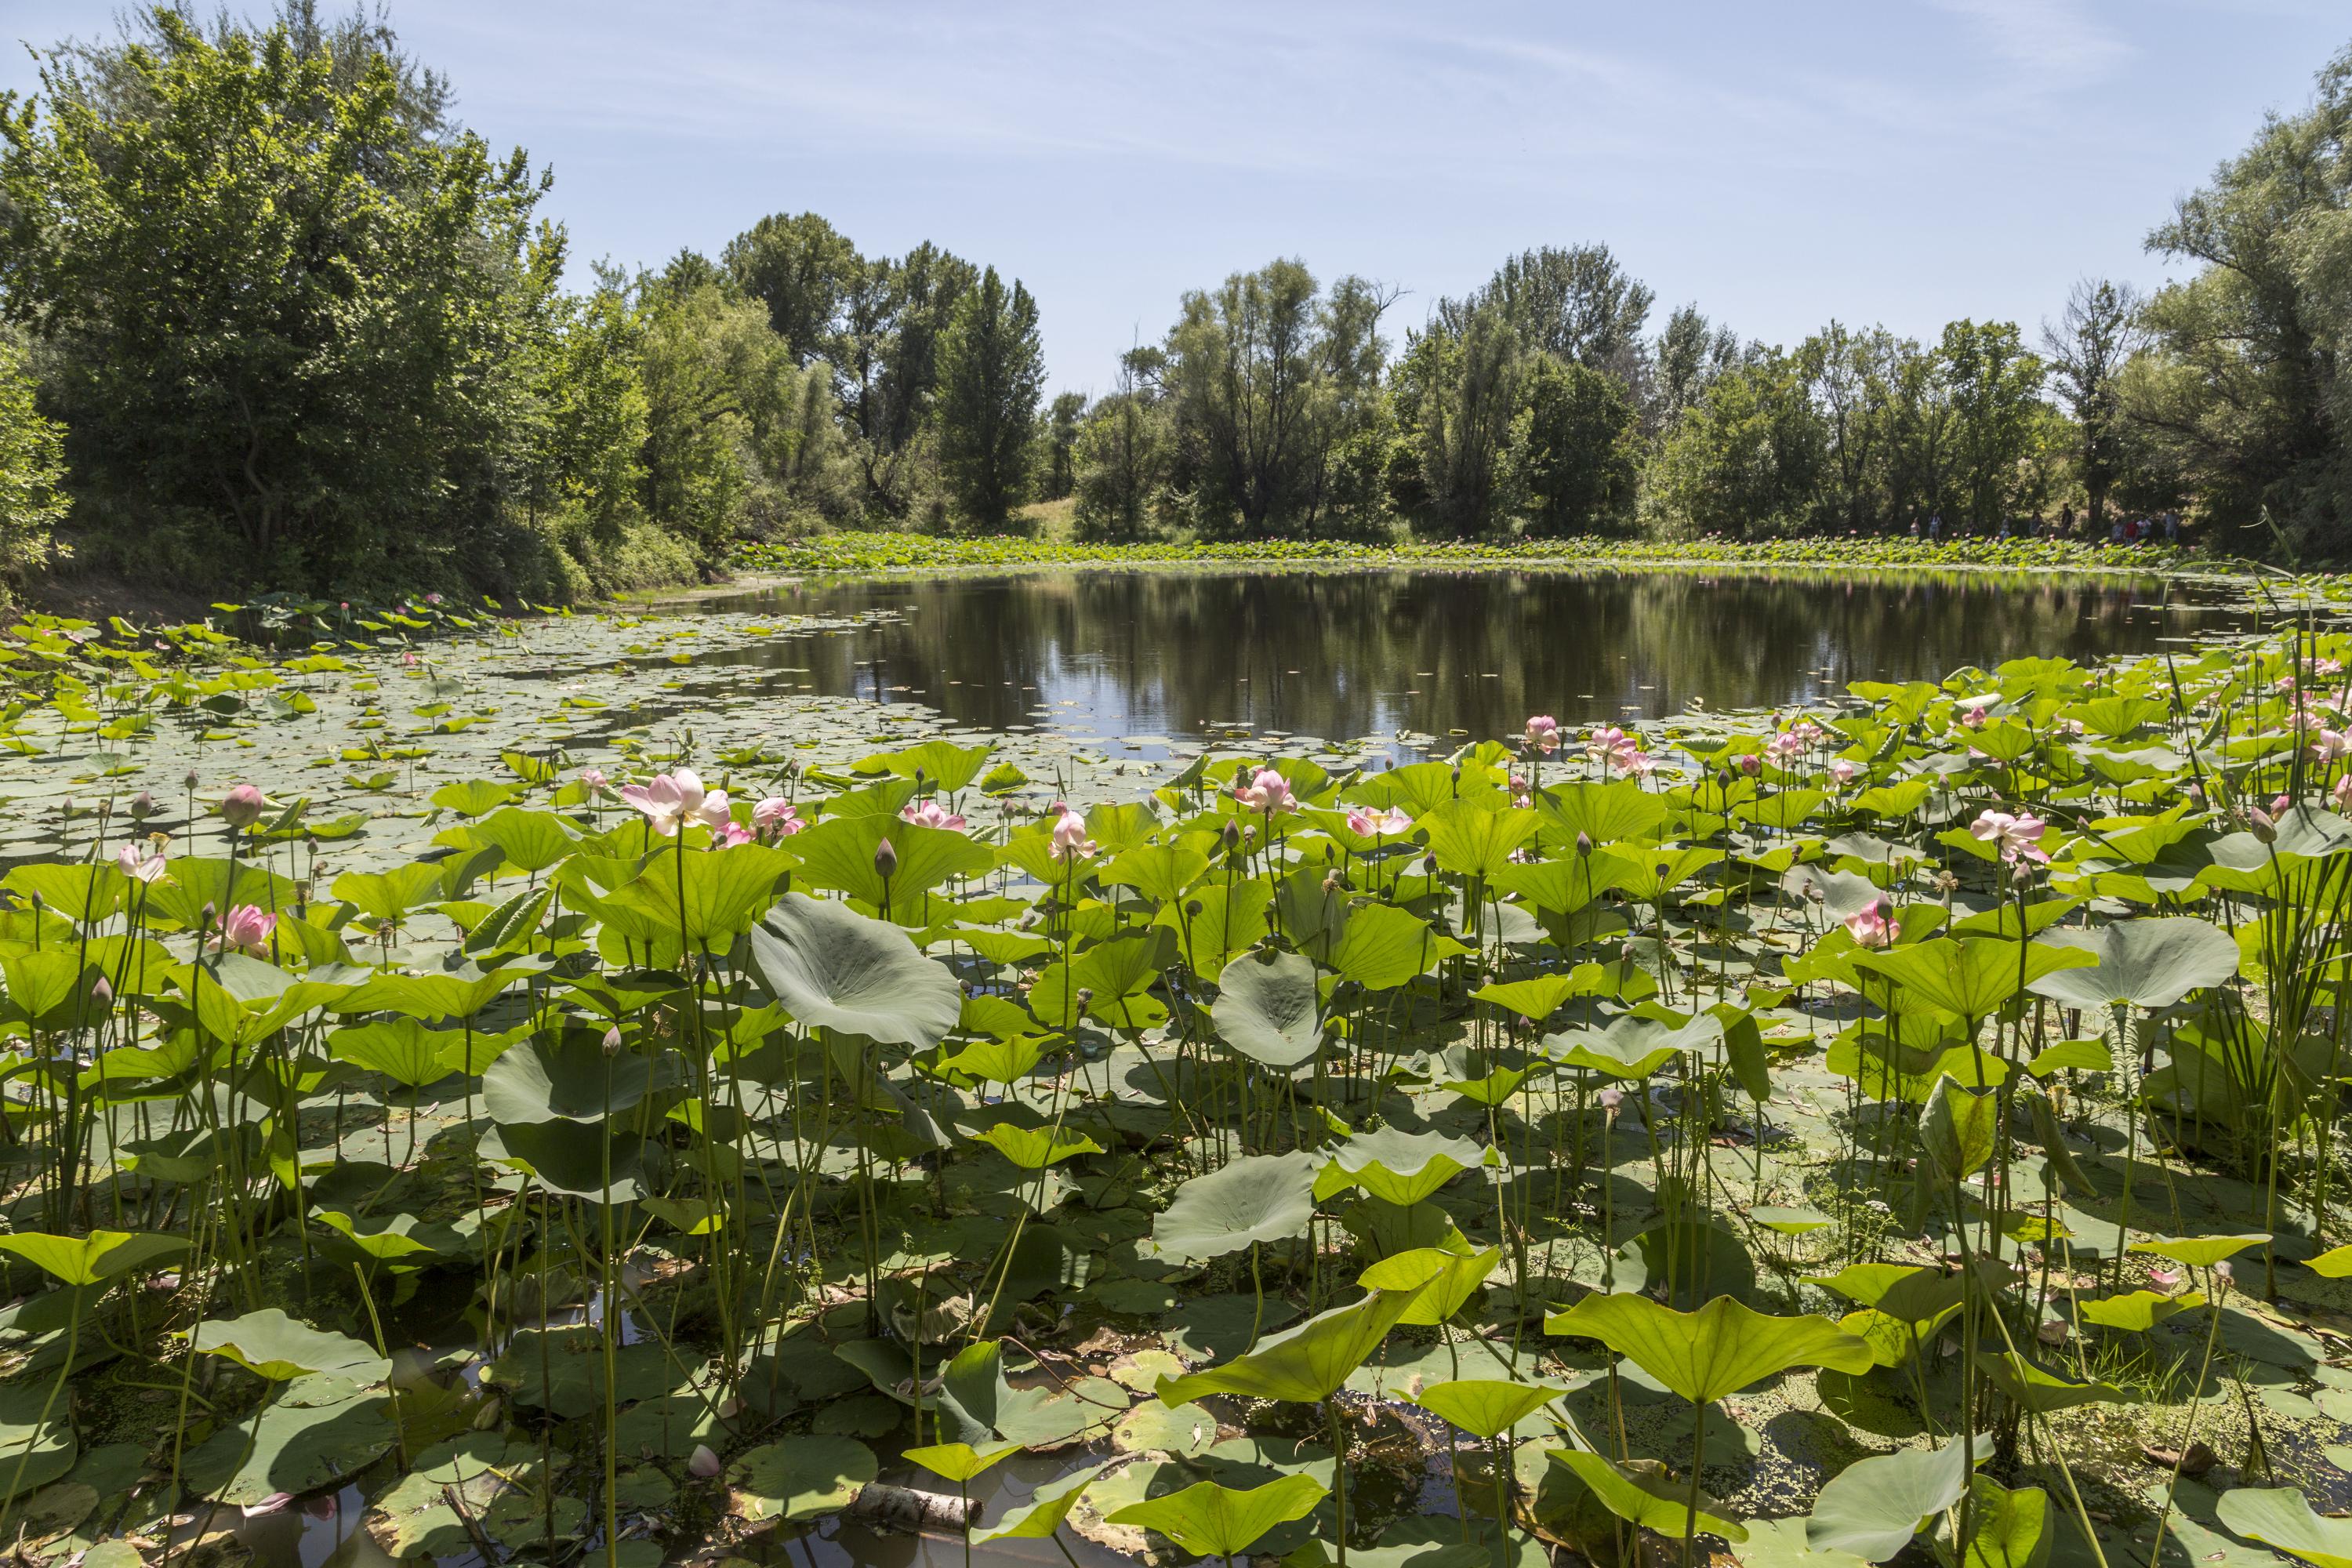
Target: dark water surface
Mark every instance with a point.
(1347, 654)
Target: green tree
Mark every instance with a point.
(1066, 416)
(992, 372)
(1749, 459)
(2087, 349)
(803, 269)
(1455, 392)
(279, 306)
(32, 471)
(1851, 378)
(1571, 464)
(1996, 391)
(2243, 391)
(1577, 304)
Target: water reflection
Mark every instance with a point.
(1349, 654)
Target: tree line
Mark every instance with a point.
(259, 289)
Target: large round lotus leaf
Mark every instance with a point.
(830, 966)
(1874, 1506)
(281, 1348)
(1398, 1166)
(1720, 1349)
(1258, 1197)
(2147, 964)
(572, 1078)
(799, 1478)
(33, 1452)
(319, 1431)
(1211, 1520)
(1684, 1263)
(574, 1158)
(1268, 1011)
(2282, 1516)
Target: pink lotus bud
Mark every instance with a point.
(242, 806)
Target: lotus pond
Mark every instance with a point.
(594, 1088)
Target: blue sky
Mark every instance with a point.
(1904, 161)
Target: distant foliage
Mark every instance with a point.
(32, 471)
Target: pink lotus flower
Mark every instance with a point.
(1844, 769)
(714, 811)
(1069, 836)
(1750, 764)
(1805, 730)
(2341, 792)
(703, 1463)
(1785, 746)
(1267, 792)
(2280, 805)
(140, 862)
(930, 814)
(2332, 746)
(1602, 741)
(1973, 718)
(247, 930)
(775, 818)
(593, 780)
(668, 800)
(1631, 758)
(2018, 837)
(729, 834)
(1378, 824)
(1875, 926)
(1543, 734)
(242, 806)
(2164, 1278)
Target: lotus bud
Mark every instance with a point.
(704, 1463)
(1193, 906)
(886, 860)
(920, 776)
(612, 1040)
(2265, 830)
(191, 780)
(102, 992)
(1429, 864)
(65, 808)
(1751, 764)
(143, 805)
(241, 807)
(1583, 844)
(1233, 835)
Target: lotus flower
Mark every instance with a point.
(729, 834)
(1378, 824)
(668, 800)
(775, 818)
(2017, 837)
(1543, 734)
(593, 780)
(140, 862)
(1873, 926)
(2332, 746)
(1602, 743)
(714, 811)
(242, 806)
(1844, 769)
(2164, 1278)
(1785, 746)
(1070, 840)
(1750, 764)
(247, 929)
(930, 814)
(1267, 792)
(2341, 793)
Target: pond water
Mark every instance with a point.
(1414, 654)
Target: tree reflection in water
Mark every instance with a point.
(1348, 654)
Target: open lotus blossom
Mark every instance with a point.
(593, 780)
(1808, 731)
(1973, 718)
(668, 799)
(1543, 734)
(930, 814)
(2332, 746)
(140, 862)
(247, 929)
(1785, 746)
(1602, 741)
(1378, 824)
(1873, 926)
(776, 817)
(714, 811)
(1844, 769)
(2328, 666)
(1267, 792)
(2341, 792)
(1630, 758)
(729, 834)
(1069, 837)
(2017, 837)
(2164, 1278)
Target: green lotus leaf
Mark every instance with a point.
(831, 967)
(568, 1077)
(2200, 1251)
(2042, 1391)
(1874, 1506)
(281, 1349)
(1034, 1148)
(1047, 1507)
(1640, 1494)
(2009, 1528)
(1442, 1279)
(2283, 1518)
(958, 1462)
(799, 1478)
(1302, 1365)
(1400, 1167)
(1970, 976)
(1268, 1009)
(319, 1431)
(2137, 1312)
(1485, 1407)
(1213, 1521)
(1718, 1350)
(2149, 963)
(840, 852)
(1252, 1199)
(95, 1258)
